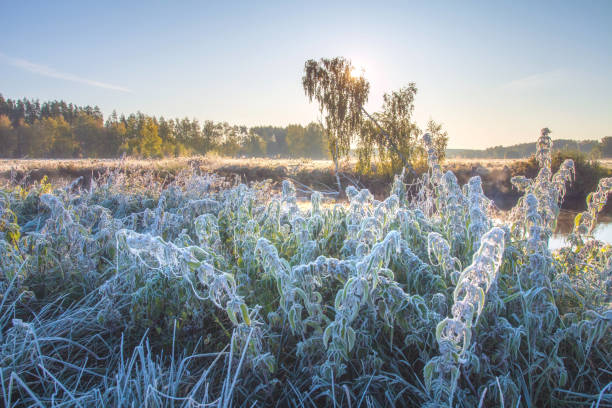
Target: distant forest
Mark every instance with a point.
(591, 148)
(56, 129)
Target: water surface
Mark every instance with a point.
(565, 224)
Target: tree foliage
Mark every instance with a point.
(340, 96)
(401, 139)
(439, 138)
(386, 140)
(56, 129)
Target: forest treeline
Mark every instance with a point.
(56, 129)
(591, 148)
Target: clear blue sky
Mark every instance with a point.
(492, 72)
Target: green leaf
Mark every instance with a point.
(245, 314)
(428, 371)
(231, 315)
(327, 335)
(350, 337)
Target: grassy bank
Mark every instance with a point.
(318, 175)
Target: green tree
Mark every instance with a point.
(275, 139)
(149, 144)
(231, 139)
(115, 131)
(340, 96)
(89, 134)
(253, 145)
(439, 138)
(43, 137)
(8, 137)
(63, 143)
(170, 146)
(26, 137)
(296, 143)
(606, 146)
(309, 141)
(390, 137)
(316, 145)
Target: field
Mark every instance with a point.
(163, 284)
(306, 174)
(62, 170)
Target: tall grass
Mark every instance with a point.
(202, 294)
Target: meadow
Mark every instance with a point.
(308, 174)
(165, 284)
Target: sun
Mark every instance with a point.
(356, 72)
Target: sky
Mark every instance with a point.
(493, 73)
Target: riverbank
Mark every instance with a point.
(313, 174)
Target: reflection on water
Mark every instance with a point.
(565, 224)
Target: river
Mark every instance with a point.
(565, 223)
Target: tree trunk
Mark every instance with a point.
(335, 158)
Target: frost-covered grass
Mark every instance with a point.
(200, 293)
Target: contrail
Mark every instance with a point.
(52, 73)
(537, 80)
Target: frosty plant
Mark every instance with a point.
(454, 334)
(440, 255)
(288, 289)
(199, 291)
(432, 160)
(549, 189)
(370, 285)
(477, 207)
(183, 263)
(451, 204)
(585, 221)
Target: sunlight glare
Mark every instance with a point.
(357, 72)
